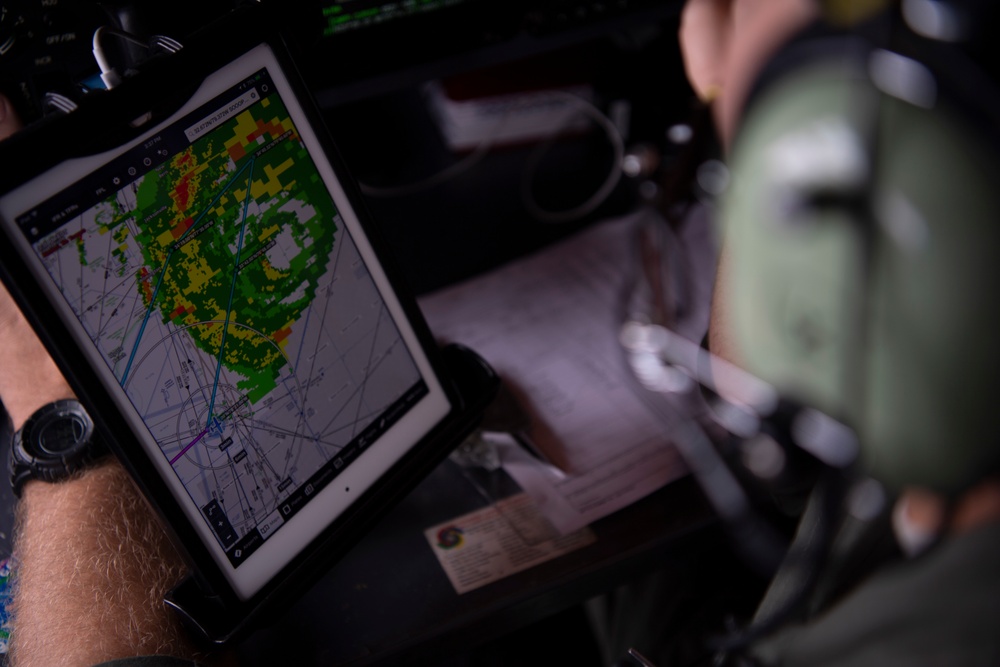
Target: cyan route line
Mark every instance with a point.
(232, 292)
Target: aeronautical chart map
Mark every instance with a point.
(235, 311)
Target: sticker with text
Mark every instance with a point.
(508, 536)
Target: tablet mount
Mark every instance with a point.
(474, 384)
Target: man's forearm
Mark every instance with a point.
(92, 562)
(93, 565)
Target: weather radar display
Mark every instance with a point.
(213, 272)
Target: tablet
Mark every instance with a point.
(214, 291)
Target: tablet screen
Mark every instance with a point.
(216, 276)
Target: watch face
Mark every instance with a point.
(61, 433)
(55, 441)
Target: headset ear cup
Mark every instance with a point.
(794, 246)
(860, 231)
(934, 368)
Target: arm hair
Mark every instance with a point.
(92, 567)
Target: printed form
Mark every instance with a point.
(549, 324)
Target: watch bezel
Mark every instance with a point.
(30, 459)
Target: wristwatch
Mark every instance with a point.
(55, 442)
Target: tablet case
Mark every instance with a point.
(114, 117)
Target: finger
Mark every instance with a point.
(9, 120)
(705, 33)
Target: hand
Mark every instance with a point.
(725, 43)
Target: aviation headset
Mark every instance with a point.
(865, 208)
(861, 232)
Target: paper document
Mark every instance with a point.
(549, 324)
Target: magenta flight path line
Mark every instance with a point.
(190, 445)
